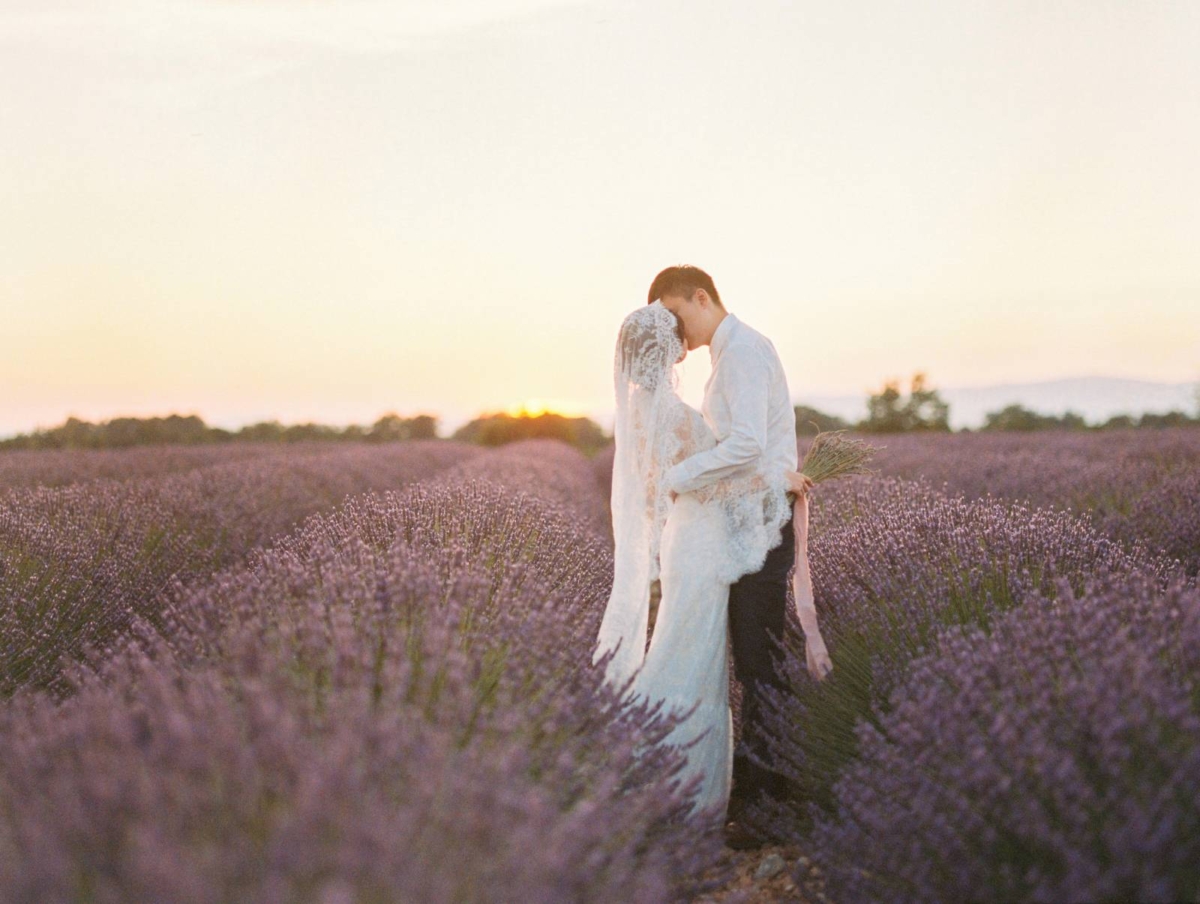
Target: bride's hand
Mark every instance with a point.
(798, 483)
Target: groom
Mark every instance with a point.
(747, 404)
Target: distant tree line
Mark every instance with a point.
(123, 432)
(498, 429)
(487, 430)
(888, 411)
(923, 409)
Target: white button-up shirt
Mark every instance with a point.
(748, 407)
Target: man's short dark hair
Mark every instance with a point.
(682, 280)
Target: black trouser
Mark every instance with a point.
(757, 606)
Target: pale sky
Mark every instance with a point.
(327, 210)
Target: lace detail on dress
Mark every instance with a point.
(753, 508)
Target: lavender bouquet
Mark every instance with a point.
(832, 455)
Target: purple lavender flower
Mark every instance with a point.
(393, 702)
(1139, 484)
(1052, 758)
(78, 562)
(893, 561)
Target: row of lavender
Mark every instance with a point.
(1012, 716)
(384, 703)
(1133, 485)
(79, 560)
(1014, 712)
(59, 467)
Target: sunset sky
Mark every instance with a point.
(252, 209)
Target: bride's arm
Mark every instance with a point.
(676, 423)
(688, 443)
(691, 431)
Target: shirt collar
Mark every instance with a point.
(721, 337)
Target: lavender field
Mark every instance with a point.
(362, 674)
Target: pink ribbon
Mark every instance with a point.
(819, 664)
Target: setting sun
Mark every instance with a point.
(538, 407)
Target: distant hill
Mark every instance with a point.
(1095, 398)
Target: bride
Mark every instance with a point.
(704, 541)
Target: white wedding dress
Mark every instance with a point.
(687, 664)
(703, 541)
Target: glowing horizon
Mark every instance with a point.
(252, 211)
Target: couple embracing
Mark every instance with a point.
(713, 507)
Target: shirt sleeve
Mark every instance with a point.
(744, 382)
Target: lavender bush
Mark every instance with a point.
(59, 467)
(364, 676)
(1133, 484)
(509, 535)
(1167, 516)
(391, 704)
(549, 470)
(1053, 758)
(893, 561)
(78, 562)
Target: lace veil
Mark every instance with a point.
(647, 441)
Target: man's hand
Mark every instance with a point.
(799, 483)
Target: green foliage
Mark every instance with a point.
(889, 412)
(125, 432)
(120, 432)
(392, 427)
(1169, 419)
(807, 417)
(498, 429)
(1018, 418)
